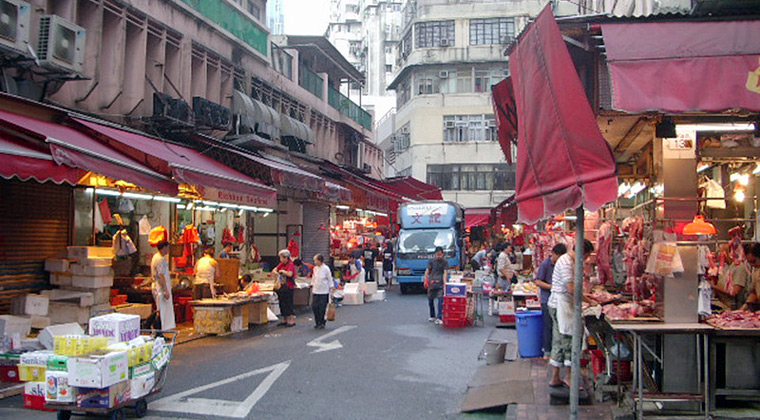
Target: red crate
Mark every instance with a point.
(35, 402)
(598, 365)
(9, 374)
(118, 300)
(114, 292)
(455, 323)
(455, 300)
(507, 318)
(179, 313)
(189, 313)
(184, 300)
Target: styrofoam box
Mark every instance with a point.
(57, 265)
(97, 262)
(353, 298)
(10, 325)
(92, 282)
(39, 322)
(379, 296)
(143, 310)
(82, 253)
(36, 305)
(46, 336)
(60, 279)
(369, 287)
(89, 270)
(99, 370)
(72, 296)
(120, 327)
(66, 312)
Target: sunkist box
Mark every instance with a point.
(99, 370)
(57, 387)
(120, 327)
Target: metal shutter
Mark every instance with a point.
(316, 231)
(34, 225)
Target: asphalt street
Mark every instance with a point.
(389, 362)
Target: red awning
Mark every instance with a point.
(286, 174)
(562, 159)
(477, 217)
(505, 110)
(75, 149)
(186, 165)
(25, 162)
(414, 188)
(337, 193)
(703, 66)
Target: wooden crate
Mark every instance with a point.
(258, 314)
(230, 267)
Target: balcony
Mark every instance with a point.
(345, 106)
(311, 81)
(233, 21)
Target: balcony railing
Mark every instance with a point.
(311, 81)
(234, 21)
(347, 107)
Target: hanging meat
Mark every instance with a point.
(604, 253)
(636, 253)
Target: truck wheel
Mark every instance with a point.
(64, 415)
(117, 414)
(141, 408)
(404, 288)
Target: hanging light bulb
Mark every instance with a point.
(744, 179)
(734, 176)
(739, 196)
(623, 188)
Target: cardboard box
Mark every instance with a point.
(120, 327)
(81, 253)
(76, 345)
(35, 388)
(107, 397)
(71, 296)
(92, 282)
(32, 373)
(60, 279)
(39, 357)
(143, 310)
(90, 270)
(36, 305)
(507, 307)
(141, 369)
(141, 385)
(58, 389)
(46, 336)
(99, 370)
(10, 325)
(456, 289)
(39, 322)
(162, 358)
(58, 363)
(66, 312)
(57, 265)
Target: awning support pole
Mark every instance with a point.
(577, 324)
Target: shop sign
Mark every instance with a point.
(682, 146)
(214, 194)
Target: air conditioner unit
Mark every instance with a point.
(461, 123)
(210, 114)
(444, 43)
(443, 74)
(164, 106)
(366, 168)
(492, 123)
(61, 44)
(507, 39)
(449, 124)
(15, 22)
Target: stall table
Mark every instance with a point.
(736, 375)
(639, 330)
(222, 315)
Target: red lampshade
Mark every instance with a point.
(699, 227)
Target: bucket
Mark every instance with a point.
(494, 351)
(530, 334)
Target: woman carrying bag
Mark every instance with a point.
(321, 287)
(284, 286)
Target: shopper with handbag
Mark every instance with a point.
(284, 286)
(321, 287)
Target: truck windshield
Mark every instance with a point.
(425, 241)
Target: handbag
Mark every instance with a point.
(330, 315)
(281, 281)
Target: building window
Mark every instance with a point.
(389, 68)
(484, 79)
(403, 94)
(427, 85)
(491, 31)
(471, 177)
(467, 128)
(405, 47)
(434, 34)
(254, 10)
(401, 139)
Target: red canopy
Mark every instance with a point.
(185, 164)
(414, 188)
(477, 217)
(26, 162)
(503, 98)
(77, 150)
(563, 160)
(703, 66)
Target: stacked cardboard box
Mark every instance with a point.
(84, 276)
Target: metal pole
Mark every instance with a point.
(577, 325)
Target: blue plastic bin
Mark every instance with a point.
(530, 333)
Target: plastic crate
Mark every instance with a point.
(598, 365)
(35, 402)
(179, 313)
(507, 318)
(189, 313)
(9, 374)
(455, 323)
(118, 300)
(184, 300)
(115, 292)
(454, 301)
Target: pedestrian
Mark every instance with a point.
(370, 256)
(226, 251)
(357, 274)
(286, 283)
(302, 270)
(388, 264)
(561, 311)
(505, 266)
(478, 260)
(321, 287)
(161, 289)
(435, 278)
(207, 273)
(544, 282)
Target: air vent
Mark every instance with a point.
(15, 20)
(61, 44)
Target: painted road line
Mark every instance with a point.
(180, 403)
(335, 344)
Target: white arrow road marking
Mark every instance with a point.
(335, 344)
(179, 403)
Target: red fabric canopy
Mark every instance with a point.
(77, 150)
(477, 217)
(703, 66)
(25, 162)
(562, 159)
(186, 165)
(414, 188)
(504, 108)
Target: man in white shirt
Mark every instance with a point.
(162, 289)
(321, 286)
(504, 267)
(207, 272)
(561, 311)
